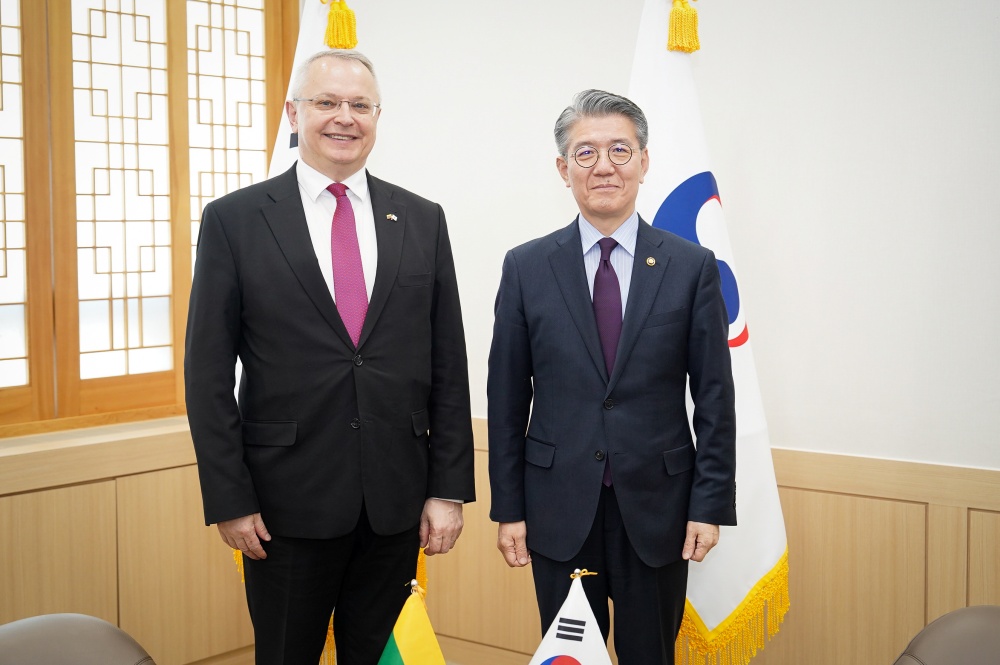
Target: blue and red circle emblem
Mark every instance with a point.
(679, 215)
(561, 660)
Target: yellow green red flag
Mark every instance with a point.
(412, 641)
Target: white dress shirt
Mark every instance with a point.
(320, 205)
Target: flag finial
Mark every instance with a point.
(578, 573)
(341, 25)
(683, 35)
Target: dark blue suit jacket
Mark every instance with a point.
(546, 361)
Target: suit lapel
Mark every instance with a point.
(646, 281)
(287, 221)
(390, 223)
(571, 276)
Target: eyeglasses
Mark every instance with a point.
(588, 155)
(330, 105)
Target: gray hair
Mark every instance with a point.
(302, 71)
(598, 104)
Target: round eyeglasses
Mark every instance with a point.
(587, 156)
(331, 105)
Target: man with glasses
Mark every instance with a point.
(351, 443)
(599, 328)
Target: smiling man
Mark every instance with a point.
(599, 328)
(351, 442)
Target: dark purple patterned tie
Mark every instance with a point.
(608, 312)
(608, 303)
(348, 275)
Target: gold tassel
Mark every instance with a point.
(341, 26)
(737, 639)
(683, 34)
(238, 558)
(329, 656)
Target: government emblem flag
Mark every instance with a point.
(412, 641)
(738, 596)
(574, 637)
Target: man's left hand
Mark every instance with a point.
(440, 525)
(700, 539)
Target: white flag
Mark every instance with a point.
(738, 596)
(312, 33)
(574, 638)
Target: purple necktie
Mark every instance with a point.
(608, 303)
(348, 274)
(608, 312)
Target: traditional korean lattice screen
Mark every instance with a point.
(13, 273)
(226, 116)
(119, 121)
(122, 186)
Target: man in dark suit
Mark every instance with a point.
(351, 444)
(599, 328)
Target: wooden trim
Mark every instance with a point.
(274, 68)
(36, 400)
(63, 154)
(180, 183)
(86, 455)
(956, 486)
(94, 420)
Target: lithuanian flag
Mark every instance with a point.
(412, 641)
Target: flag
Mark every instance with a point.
(312, 35)
(738, 596)
(412, 641)
(574, 637)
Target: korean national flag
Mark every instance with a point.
(574, 637)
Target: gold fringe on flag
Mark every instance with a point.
(683, 34)
(341, 25)
(744, 632)
(329, 656)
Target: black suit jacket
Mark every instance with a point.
(546, 359)
(322, 426)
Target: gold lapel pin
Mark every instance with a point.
(650, 262)
(391, 216)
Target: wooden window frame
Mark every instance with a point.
(56, 397)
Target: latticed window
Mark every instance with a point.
(119, 121)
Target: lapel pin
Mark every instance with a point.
(650, 262)
(391, 216)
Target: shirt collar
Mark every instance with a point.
(624, 234)
(315, 183)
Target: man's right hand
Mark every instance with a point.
(244, 534)
(512, 541)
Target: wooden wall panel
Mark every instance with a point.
(856, 579)
(472, 594)
(181, 595)
(57, 553)
(984, 558)
(947, 559)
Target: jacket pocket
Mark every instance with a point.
(271, 433)
(538, 453)
(679, 460)
(663, 318)
(419, 279)
(421, 422)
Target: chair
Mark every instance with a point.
(970, 636)
(68, 639)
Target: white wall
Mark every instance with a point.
(854, 147)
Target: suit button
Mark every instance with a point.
(356, 423)
(358, 360)
(599, 455)
(609, 403)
